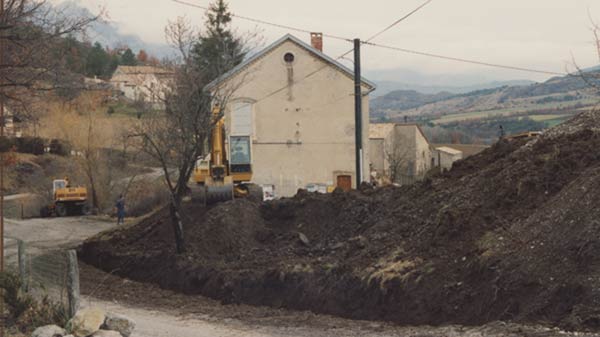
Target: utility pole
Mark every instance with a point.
(358, 113)
(2, 123)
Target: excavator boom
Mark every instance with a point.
(221, 178)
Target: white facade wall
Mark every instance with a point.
(304, 133)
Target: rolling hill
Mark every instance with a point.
(558, 95)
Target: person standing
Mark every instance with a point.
(120, 206)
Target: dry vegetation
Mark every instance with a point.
(103, 157)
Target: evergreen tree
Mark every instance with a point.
(97, 61)
(75, 54)
(115, 61)
(217, 49)
(128, 58)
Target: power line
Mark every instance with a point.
(346, 53)
(369, 43)
(399, 20)
(263, 22)
(457, 59)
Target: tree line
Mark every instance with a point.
(96, 60)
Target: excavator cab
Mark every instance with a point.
(58, 184)
(241, 161)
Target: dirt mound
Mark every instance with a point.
(509, 234)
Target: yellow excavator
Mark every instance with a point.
(66, 200)
(217, 178)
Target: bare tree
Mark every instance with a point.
(591, 78)
(30, 33)
(399, 153)
(176, 137)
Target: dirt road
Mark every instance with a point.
(165, 314)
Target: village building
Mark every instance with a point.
(141, 82)
(446, 155)
(295, 106)
(13, 124)
(399, 153)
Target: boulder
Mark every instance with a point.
(106, 333)
(86, 322)
(119, 323)
(49, 331)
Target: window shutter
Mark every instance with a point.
(241, 119)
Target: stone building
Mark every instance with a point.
(294, 105)
(399, 153)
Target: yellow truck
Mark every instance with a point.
(66, 200)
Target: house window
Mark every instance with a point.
(289, 58)
(242, 119)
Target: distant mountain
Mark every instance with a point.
(389, 80)
(558, 93)
(385, 87)
(109, 34)
(408, 99)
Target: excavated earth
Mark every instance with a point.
(511, 234)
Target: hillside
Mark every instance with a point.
(560, 95)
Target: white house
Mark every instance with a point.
(295, 105)
(141, 82)
(446, 156)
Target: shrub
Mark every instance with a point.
(144, 198)
(32, 145)
(59, 147)
(6, 144)
(24, 312)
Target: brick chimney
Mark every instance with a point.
(316, 40)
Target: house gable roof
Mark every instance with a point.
(448, 150)
(274, 46)
(142, 70)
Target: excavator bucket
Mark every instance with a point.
(206, 195)
(221, 193)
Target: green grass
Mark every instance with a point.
(473, 115)
(554, 122)
(121, 108)
(546, 118)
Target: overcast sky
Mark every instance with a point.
(541, 34)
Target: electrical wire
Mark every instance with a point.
(457, 59)
(395, 23)
(399, 20)
(369, 43)
(263, 22)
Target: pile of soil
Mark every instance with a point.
(511, 234)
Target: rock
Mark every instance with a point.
(86, 322)
(360, 241)
(304, 239)
(49, 331)
(106, 333)
(119, 323)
